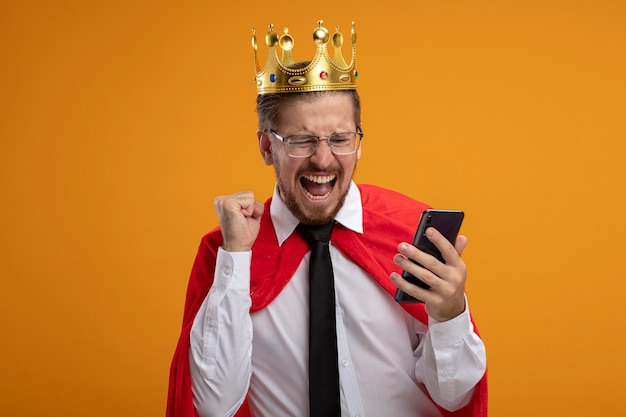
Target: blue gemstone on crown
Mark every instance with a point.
(272, 77)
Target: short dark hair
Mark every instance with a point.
(268, 106)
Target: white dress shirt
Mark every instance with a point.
(387, 359)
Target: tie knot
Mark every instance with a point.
(313, 234)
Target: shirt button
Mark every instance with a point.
(345, 363)
(227, 270)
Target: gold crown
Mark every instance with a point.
(320, 74)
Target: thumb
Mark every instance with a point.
(459, 245)
(257, 209)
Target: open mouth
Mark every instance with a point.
(318, 187)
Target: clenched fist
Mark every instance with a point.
(239, 215)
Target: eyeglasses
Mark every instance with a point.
(303, 146)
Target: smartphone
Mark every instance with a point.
(448, 223)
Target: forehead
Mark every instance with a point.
(326, 108)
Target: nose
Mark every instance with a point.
(323, 156)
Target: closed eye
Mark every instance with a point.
(301, 141)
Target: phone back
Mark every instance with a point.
(448, 223)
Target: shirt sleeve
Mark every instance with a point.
(451, 360)
(221, 339)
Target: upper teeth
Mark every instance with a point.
(320, 179)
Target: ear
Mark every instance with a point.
(358, 152)
(265, 147)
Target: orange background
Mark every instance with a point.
(121, 121)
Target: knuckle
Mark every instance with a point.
(431, 263)
(447, 291)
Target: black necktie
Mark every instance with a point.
(323, 369)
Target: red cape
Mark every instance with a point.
(388, 218)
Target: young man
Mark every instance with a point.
(244, 347)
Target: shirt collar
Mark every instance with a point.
(350, 215)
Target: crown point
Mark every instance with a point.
(286, 41)
(271, 39)
(337, 39)
(320, 35)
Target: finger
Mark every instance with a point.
(421, 294)
(241, 202)
(248, 206)
(258, 209)
(448, 251)
(418, 271)
(460, 244)
(426, 260)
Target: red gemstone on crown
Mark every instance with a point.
(323, 75)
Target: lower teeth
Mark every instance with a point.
(317, 197)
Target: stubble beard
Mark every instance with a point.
(315, 215)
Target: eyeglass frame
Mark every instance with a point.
(283, 139)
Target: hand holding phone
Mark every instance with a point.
(448, 223)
